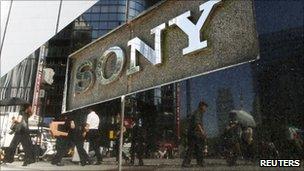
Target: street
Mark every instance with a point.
(150, 164)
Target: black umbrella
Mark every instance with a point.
(13, 101)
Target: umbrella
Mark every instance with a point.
(244, 118)
(13, 101)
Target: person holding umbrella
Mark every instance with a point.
(245, 122)
(22, 135)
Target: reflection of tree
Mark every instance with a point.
(224, 104)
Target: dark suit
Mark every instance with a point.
(75, 136)
(195, 139)
(137, 147)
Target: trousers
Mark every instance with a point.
(196, 147)
(94, 140)
(25, 140)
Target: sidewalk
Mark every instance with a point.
(150, 164)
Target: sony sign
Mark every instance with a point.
(154, 56)
(172, 41)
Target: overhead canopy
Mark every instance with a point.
(28, 24)
(13, 101)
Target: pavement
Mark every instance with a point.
(150, 165)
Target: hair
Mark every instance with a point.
(24, 107)
(202, 103)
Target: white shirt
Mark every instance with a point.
(93, 120)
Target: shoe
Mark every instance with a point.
(7, 161)
(83, 163)
(186, 165)
(132, 162)
(31, 161)
(59, 164)
(200, 164)
(24, 164)
(140, 163)
(97, 163)
(53, 162)
(89, 162)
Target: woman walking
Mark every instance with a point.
(22, 135)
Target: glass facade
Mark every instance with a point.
(269, 89)
(59, 47)
(104, 16)
(280, 73)
(101, 18)
(166, 121)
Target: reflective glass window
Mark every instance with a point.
(112, 16)
(104, 9)
(103, 25)
(112, 8)
(121, 9)
(112, 25)
(95, 17)
(121, 17)
(96, 9)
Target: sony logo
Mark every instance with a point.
(84, 76)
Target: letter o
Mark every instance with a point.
(102, 61)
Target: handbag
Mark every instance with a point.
(17, 127)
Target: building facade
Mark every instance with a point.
(269, 88)
(19, 82)
(101, 18)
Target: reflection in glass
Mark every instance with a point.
(163, 111)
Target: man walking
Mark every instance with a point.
(93, 136)
(196, 136)
(137, 142)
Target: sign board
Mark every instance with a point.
(172, 41)
(48, 75)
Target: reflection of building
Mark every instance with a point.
(59, 47)
(224, 104)
(280, 76)
(94, 23)
(157, 109)
(275, 100)
(19, 82)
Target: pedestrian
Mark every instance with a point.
(196, 136)
(137, 142)
(117, 136)
(93, 136)
(75, 136)
(22, 135)
(62, 142)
